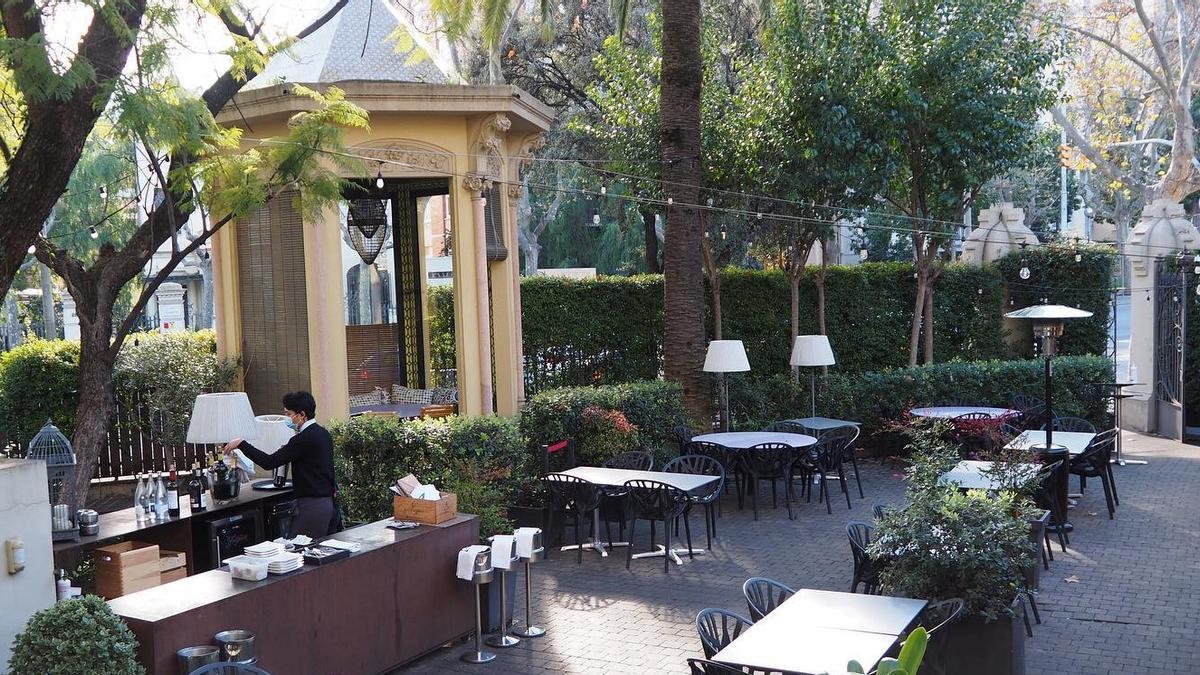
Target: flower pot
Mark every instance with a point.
(974, 645)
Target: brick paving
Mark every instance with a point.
(1134, 610)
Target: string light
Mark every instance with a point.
(32, 249)
(379, 179)
(862, 254)
(596, 217)
(93, 233)
(1025, 273)
(603, 190)
(104, 192)
(670, 201)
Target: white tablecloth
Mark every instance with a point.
(747, 439)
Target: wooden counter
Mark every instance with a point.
(385, 605)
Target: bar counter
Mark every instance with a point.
(390, 602)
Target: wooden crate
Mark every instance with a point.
(170, 560)
(425, 511)
(125, 568)
(172, 575)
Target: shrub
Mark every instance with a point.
(483, 460)
(877, 399)
(80, 636)
(38, 380)
(654, 407)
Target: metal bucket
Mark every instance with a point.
(236, 645)
(193, 658)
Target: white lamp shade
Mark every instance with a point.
(726, 356)
(220, 418)
(272, 432)
(812, 350)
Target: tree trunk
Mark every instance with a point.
(683, 285)
(820, 284)
(96, 404)
(651, 235)
(794, 289)
(532, 254)
(49, 325)
(928, 323)
(714, 286)
(914, 337)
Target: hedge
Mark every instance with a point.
(877, 399)
(39, 379)
(485, 461)
(609, 330)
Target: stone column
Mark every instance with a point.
(70, 318)
(1001, 230)
(171, 315)
(1163, 229)
(482, 304)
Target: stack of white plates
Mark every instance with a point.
(285, 562)
(267, 549)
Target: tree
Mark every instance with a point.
(198, 166)
(1161, 46)
(954, 102)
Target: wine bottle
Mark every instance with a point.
(173, 494)
(196, 491)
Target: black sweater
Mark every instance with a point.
(310, 453)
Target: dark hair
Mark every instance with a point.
(301, 402)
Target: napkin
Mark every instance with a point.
(351, 546)
(524, 537)
(502, 551)
(244, 463)
(426, 492)
(408, 484)
(466, 562)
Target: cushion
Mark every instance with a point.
(416, 396)
(444, 396)
(369, 398)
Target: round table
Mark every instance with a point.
(749, 439)
(949, 412)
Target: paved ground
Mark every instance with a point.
(1133, 612)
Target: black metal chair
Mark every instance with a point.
(935, 618)
(879, 509)
(1045, 495)
(558, 456)
(1033, 417)
(706, 667)
(654, 501)
(847, 437)
(1072, 424)
(572, 497)
(718, 627)
(773, 462)
(701, 465)
(1008, 430)
(1023, 402)
(826, 459)
(635, 460)
(763, 595)
(1094, 462)
(866, 571)
(727, 458)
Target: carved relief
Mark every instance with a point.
(403, 158)
(474, 183)
(514, 191)
(530, 145)
(490, 145)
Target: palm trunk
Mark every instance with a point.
(683, 285)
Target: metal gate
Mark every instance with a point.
(1170, 321)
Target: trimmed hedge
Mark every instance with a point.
(484, 460)
(39, 379)
(878, 398)
(655, 407)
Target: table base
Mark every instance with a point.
(595, 545)
(673, 553)
(1066, 527)
(1131, 462)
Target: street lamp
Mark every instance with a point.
(725, 356)
(1048, 326)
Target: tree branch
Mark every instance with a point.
(1156, 41)
(1154, 74)
(1106, 167)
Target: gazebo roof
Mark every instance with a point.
(367, 41)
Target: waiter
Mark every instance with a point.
(310, 453)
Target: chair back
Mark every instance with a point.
(569, 493)
(682, 434)
(833, 447)
(1033, 417)
(1046, 491)
(1008, 430)
(726, 457)
(652, 499)
(229, 668)
(1023, 402)
(972, 417)
(879, 509)
(1073, 424)
(787, 427)
(768, 459)
(717, 628)
(706, 667)
(635, 460)
(860, 534)
(1096, 457)
(558, 456)
(763, 595)
(940, 614)
(865, 571)
(697, 465)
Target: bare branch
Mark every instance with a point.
(1155, 40)
(1106, 167)
(1113, 45)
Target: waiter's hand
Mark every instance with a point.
(231, 446)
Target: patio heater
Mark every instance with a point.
(725, 356)
(812, 351)
(1048, 326)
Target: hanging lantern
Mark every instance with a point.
(52, 447)
(368, 227)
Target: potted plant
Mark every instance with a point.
(80, 636)
(973, 545)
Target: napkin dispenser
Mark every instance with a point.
(530, 546)
(482, 571)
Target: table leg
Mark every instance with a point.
(595, 544)
(673, 554)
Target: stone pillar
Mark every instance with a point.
(1001, 230)
(171, 314)
(324, 287)
(482, 303)
(70, 318)
(1163, 228)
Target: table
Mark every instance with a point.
(974, 475)
(401, 410)
(392, 601)
(749, 439)
(821, 631)
(1074, 441)
(1119, 395)
(688, 482)
(949, 412)
(820, 424)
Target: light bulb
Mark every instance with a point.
(603, 190)
(1198, 289)
(670, 201)
(379, 179)
(1025, 273)
(979, 291)
(93, 233)
(760, 218)
(32, 249)
(724, 234)
(595, 217)
(859, 230)
(862, 254)
(710, 202)
(1078, 258)
(103, 192)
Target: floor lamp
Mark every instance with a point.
(812, 351)
(725, 356)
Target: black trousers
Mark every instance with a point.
(314, 516)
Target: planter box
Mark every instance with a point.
(425, 511)
(980, 647)
(1037, 530)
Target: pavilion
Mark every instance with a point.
(340, 305)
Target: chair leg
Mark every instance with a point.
(774, 493)
(578, 540)
(1025, 616)
(1112, 482)
(857, 477)
(710, 527)
(842, 480)
(825, 494)
(653, 534)
(629, 548)
(787, 498)
(1107, 494)
(1049, 550)
(1037, 616)
(687, 531)
(667, 550)
(754, 494)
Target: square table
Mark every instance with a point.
(973, 475)
(599, 475)
(821, 631)
(1074, 441)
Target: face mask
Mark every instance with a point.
(291, 424)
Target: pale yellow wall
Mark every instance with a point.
(225, 293)
(324, 288)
